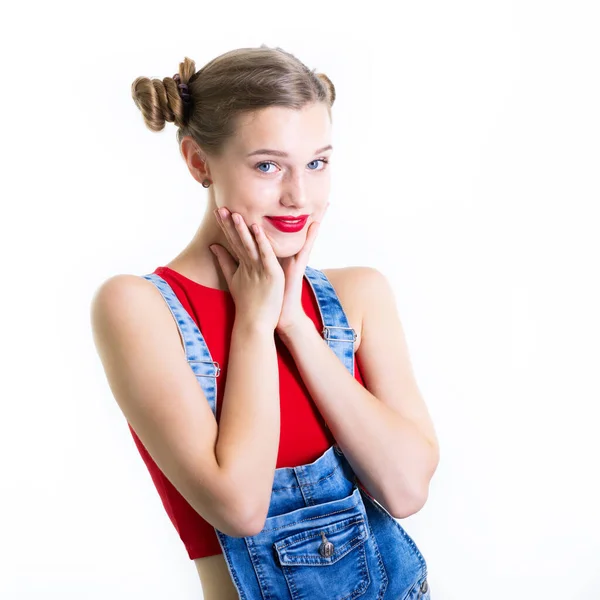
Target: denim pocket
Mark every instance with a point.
(322, 559)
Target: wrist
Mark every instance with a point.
(303, 323)
(247, 326)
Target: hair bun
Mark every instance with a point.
(328, 85)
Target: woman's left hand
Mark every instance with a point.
(292, 312)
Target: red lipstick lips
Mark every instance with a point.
(288, 224)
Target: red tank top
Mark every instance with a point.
(303, 436)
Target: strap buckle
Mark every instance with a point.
(325, 333)
(215, 364)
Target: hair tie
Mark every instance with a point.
(182, 88)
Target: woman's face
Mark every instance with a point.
(250, 180)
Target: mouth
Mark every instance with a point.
(288, 224)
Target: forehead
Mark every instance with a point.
(296, 131)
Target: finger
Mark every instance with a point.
(267, 254)
(245, 236)
(234, 238)
(226, 227)
(311, 236)
(225, 260)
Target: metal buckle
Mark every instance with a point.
(215, 364)
(325, 333)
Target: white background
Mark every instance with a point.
(467, 148)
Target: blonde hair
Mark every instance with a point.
(237, 82)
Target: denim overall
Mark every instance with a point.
(323, 538)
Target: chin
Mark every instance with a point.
(280, 254)
(283, 250)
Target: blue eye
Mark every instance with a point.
(323, 160)
(265, 163)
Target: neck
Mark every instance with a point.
(196, 261)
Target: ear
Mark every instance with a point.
(195, 159)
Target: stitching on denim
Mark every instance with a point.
(362, 558)
(258, 570)
(287, 524)
(417, 584)
(382, 570)
(233, 572)
(289, 487)
(338, 557)
(366, 577)
(332, 528)
(362, 535)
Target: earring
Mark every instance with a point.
(206, 183)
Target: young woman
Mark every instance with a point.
(274, 404)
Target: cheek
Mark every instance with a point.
(243, 194)
(249, 188)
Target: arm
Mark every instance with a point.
(249, 426)
(384, 431)
(142, 355)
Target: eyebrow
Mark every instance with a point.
(285, 154)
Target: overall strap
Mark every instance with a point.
(337, 332)
(196, 350)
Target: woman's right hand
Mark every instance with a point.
(254, 276)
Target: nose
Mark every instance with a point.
(293, 191)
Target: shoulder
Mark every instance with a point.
(356, 274)
(123, 302)
(117, 290)
(359, 283)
